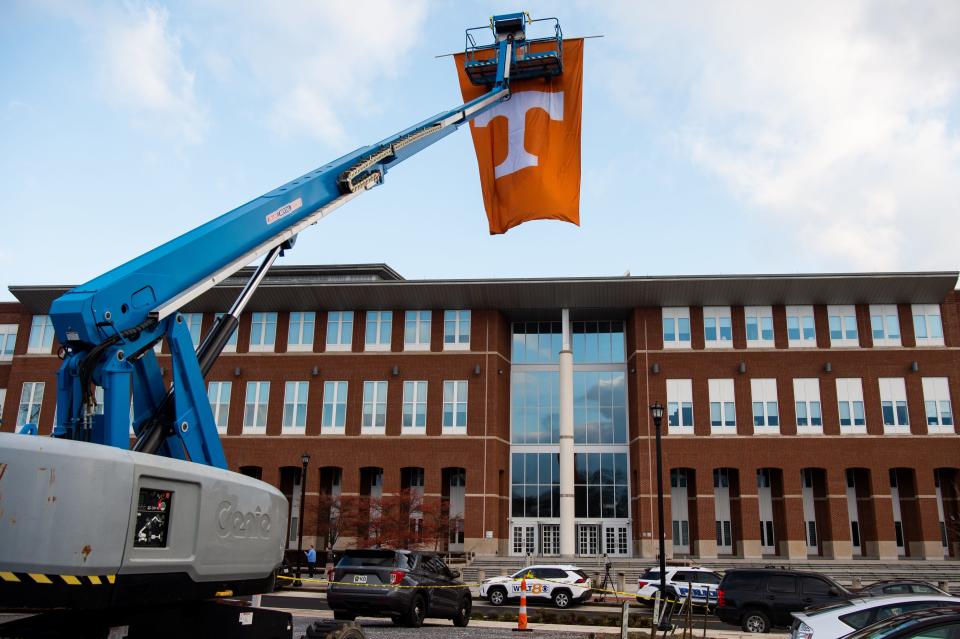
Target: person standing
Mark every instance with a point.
(311, 560)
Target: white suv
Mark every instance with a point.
(563, 584)
(680, 579)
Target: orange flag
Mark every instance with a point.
(528, 147)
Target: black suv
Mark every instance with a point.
(757, 599)
(399, 584)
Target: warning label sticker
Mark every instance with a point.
(284, 210)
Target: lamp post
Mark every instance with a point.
(656, 411)
(304, 459)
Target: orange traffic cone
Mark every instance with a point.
(522, 617)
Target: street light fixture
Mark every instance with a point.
(304, 460)
(656, 412)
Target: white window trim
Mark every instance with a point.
(894, 389)
(856, 385)
(724, 391)
(937, 389)
(337, 346)
(458, 429)
(262, 347)
(802, 393)
(216, 403)
(189, 321)
(418, 345)
(47, 325)
(290, 429)
(377, 346)
(715, 313)
(765, 389)
(414, 429)
(373, 429)
(260, 403)
(843, 311)
(457, 346)
(8, 334)
(885, 311)
(679, 391)
(676, 313)
(760, 312)
(800, 312)
(31, 401)
(331, 429)
(927, 310)
(301, 347)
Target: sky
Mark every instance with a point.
(718, 137)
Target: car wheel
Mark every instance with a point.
(497, 596)
(462, 618)
(397, 620)
(562, 599)
(417, 612)
(343, 615)
(755, 621)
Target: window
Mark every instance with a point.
(334, 416)
(766, 413)
(679, 406)
(31, 401)
(801, 331)
(219, 395)
(416, 331)
(759, 323)
(456, 330)
(927, 326)
(885, 325)
(255, 407)
(539, 343)
(534, 408)
(374, 407)
(843, 326)
(814, 586)
(893, 405)
(414, 407)
(676, 327)
(455, 405)
(41, 335)
(193, 322)
(300, 332)
(723, 414)
(850, 404)
(599, 407)
(263, 332)
(806, 394)
(535, 484)
(598, 342)
(717, 329)
(294, 407)
(231, 345)
(781, 583)
(339, 330)
(936, 403)
(600, 485)
(8, 341)
(379, 328)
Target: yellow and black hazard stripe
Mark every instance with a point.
(47, 579)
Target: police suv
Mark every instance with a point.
(562, 584)
(680, 580)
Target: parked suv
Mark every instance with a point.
(365, 583)
(757, 599)
(700, 582)
(562, 584)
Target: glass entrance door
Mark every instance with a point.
(550, 539)
(588, 540)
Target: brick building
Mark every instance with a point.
(807, 416)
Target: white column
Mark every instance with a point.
(567, 529)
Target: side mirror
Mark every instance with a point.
(455, 574)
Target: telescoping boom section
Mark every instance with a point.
(146, 526)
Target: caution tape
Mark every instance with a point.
(46, 579)
(605, 591)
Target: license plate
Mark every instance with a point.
(359, 579)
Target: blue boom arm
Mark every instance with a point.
(109, 326)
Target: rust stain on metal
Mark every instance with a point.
(52, 498)
(3, 469)
(86, 552)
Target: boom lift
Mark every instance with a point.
(143, 538)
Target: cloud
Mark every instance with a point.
(836, 124)
(144, 71)
(319, 59)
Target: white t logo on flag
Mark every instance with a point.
(515, 110)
